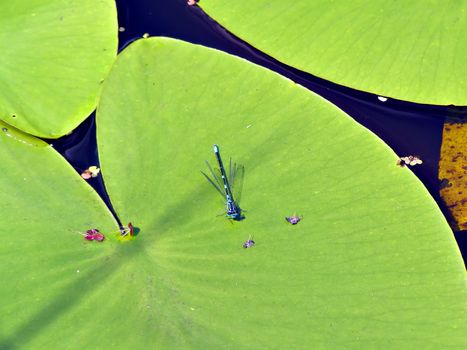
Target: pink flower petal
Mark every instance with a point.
(86, 174)
(99, 237)
(89, 236)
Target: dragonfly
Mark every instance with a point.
(225, 184)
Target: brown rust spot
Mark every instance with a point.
(452, 170)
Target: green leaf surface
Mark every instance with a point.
(373, 263)
(47, 269)
(414, 50)
(55, 55)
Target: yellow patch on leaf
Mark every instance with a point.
(452, 172)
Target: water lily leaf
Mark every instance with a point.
(407, 51)
(55, 55)
(47, 266)
(372, 262)
(452, 172)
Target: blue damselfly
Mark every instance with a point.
(225, 185)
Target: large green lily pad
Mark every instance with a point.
(411, 51)
(54, 57)
(373, 263)
(48, 270)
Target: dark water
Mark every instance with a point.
(408, 128)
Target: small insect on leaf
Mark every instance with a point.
(127, 230)
(294, 219)
(249, 243)
(130, 227)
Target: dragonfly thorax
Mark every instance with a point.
(231, 207)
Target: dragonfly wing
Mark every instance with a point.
(213, 184)
(216, 175)
(232, 173)
(237, 183)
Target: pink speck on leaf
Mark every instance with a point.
(89, 236)
(99, 237)
(93, 234)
